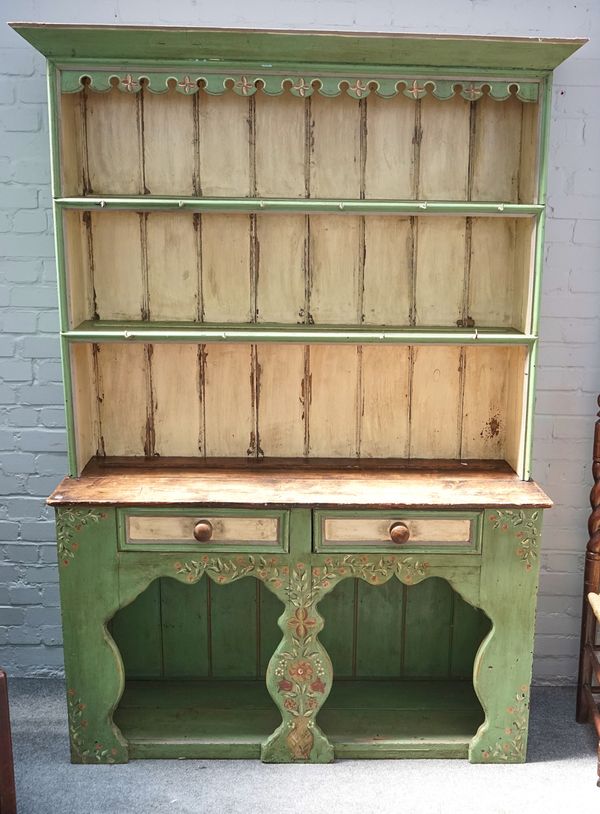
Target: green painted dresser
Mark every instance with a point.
(299, 282)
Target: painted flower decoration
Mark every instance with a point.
(302, 670)
(284, 685)
(300, 622)
(317, 686)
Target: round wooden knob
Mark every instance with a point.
(399, 533)
(203, 531)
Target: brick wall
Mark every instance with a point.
(32, 438)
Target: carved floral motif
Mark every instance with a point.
(527, 534)
(68, 523)
(512, 745)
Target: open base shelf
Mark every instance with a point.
(362, 719)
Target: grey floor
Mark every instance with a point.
(559, 777)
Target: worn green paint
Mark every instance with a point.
(147, 203)
(184, 629)
(65, 43)
(138, 633)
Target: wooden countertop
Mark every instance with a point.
(297, 483)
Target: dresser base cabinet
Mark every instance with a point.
(287, 652)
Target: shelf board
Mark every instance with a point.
(228, 718)
(118, 331)
(145, 203)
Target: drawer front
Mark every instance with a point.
(456, 532)
(211, 530)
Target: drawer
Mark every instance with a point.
(457, 532)
(211, 530)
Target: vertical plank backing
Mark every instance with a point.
(122, 395)
(387, 271)
(226, 287)
(338, 609)
(176, 396)
(281, 289)
(114, 143)
(529, 161)
(173, 290)
(469, 627)
(137, 632)
(436, 396)
(224, 145)
(524, 271)
(77, 266)
(492, 281)
(233, 622)
(169, 149)
(118, 264)
(516, 414)
(439, 289)
(389, 162)
(184, 617)
(485, 401)
(379, 629)
(335, 269)
(281, 400)
(335, 163)
(72, 144)
(444, 161)
(280, 146)
(496, 150)
(333, 401)
(427, 631)
(228, 400)
(384, 422)
(269, 633)
(85, 403)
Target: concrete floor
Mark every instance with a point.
(560, 775)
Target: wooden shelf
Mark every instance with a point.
(373, 484)
(137, 331)
(225, 718)
(146, 203)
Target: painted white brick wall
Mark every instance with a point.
(32, 438)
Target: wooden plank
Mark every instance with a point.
(335, 265)
(444, 154)
(233, 625)
(469, 627)
(496, 150)
(439, 290)
(184, 621)
(332, 430)
(122, 398)
(173, 266)
(530, 158)
(270, 609)
(525, 239)
(281, 400)
(73, 154)
(493, 280)
(181, 528)
(435, 426)
(331, 484)
(169, 144)
(176, 400)
(338, 609)
(485, 402)
(224, 145)
(335, 160)
(226, 268)
(387, 283)
(384, 419)
(389, 163)
(78, 266)
(229, 400)
(516, 414)
(114, 143)
(85, 403)
(281, 268)
(118, 271)
(280, 145)
(427, 631)
(137, 632)
(379, 629)
(362, 529)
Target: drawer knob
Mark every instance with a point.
(399, 533)
(203, 531)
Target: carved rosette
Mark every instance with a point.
(511, 746)
(69, 523)
(526, 532)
